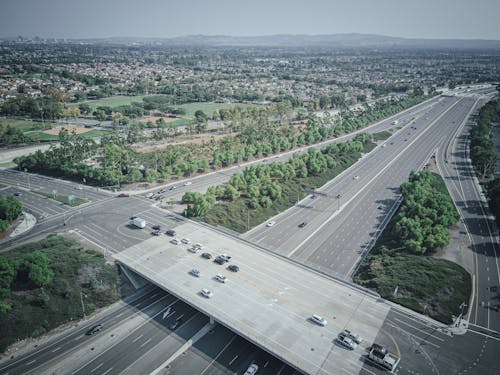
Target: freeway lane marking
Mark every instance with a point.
(137, 338)
(420, 330)
(102, 364)
(107, 371)
(56, 349)
(218, 354)
(232, 360)
(146, 342)
(31, 362)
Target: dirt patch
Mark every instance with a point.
(196, 139)
(153, 119)
(70, 129)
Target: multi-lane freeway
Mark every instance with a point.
(342, 219)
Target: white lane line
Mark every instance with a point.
(56, 349)
(107, 371)
(232, 360)
(420, 330)
(99, 366)
(31, 362)
(219, 354)
(412, 335)
(146, 342)
(137, 338)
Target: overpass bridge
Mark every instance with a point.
(269, 301)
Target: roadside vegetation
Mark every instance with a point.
(483, 155)
(264, 190)
(251, 132)
(42, 285)
(61, 198)
(10, 209)
(401, 267)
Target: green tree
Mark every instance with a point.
(36, 266)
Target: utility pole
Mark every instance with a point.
(338, 201)
(28, 178)
(248, 219)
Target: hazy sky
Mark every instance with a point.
(167, 18)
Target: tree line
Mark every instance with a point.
(262, 184)
(481, 144)
(10, 209)
(425, 214)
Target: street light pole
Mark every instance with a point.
(338, 201)
(28, 178)
(83, 306)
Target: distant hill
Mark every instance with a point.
(301, 40)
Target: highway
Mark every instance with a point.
(423, 345)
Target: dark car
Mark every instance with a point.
(133, 217)
(156, 227)
(95, 329)
(302, 225)
(18, 194)
(207, 255)
(176, 324)
(123, 195)
(170, 232)
(221, 259)
(233, 267)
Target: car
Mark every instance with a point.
(172, 187)
(302, 225)
(194, 249)
(380, 207)
(270, 223)
(156, 227)
(221, 278)
(198, 245)
(346, 342)
(156, 232)
(207, 293)
(207, 255)
(252, 369)
(319, 320)
(185, 240)
(233, 268)
(384, 145)
(162, 190)
(95, 329)
(78, 187)
(378, 348)
(149, 195)
(356, 177)
(187, 183)
(123, 195)
(175, 241)
(221, 259)
(353, 336)
(170, 233)
(18, 193)
(176, 324)
(133, 217)
(195, 272)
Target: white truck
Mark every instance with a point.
(139, 223)
(381, 356)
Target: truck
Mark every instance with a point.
(138, 222)
(381, 356)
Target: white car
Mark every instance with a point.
(356, 177)
(347, 342)
(185, 240)
(187, 183)
(195, 272)
(221, 278)
(319, 320)
(175, 241)
(252, 369)
(353, 336)
(198, 245)
(194, 249)
(206, 293)
(270, 223)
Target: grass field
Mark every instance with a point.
(431, 286)
(26, 125)
(62, 198)
(208, 108)
(79, 274)
(112, 101)
(43, 137)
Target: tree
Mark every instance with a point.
(36, 266)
